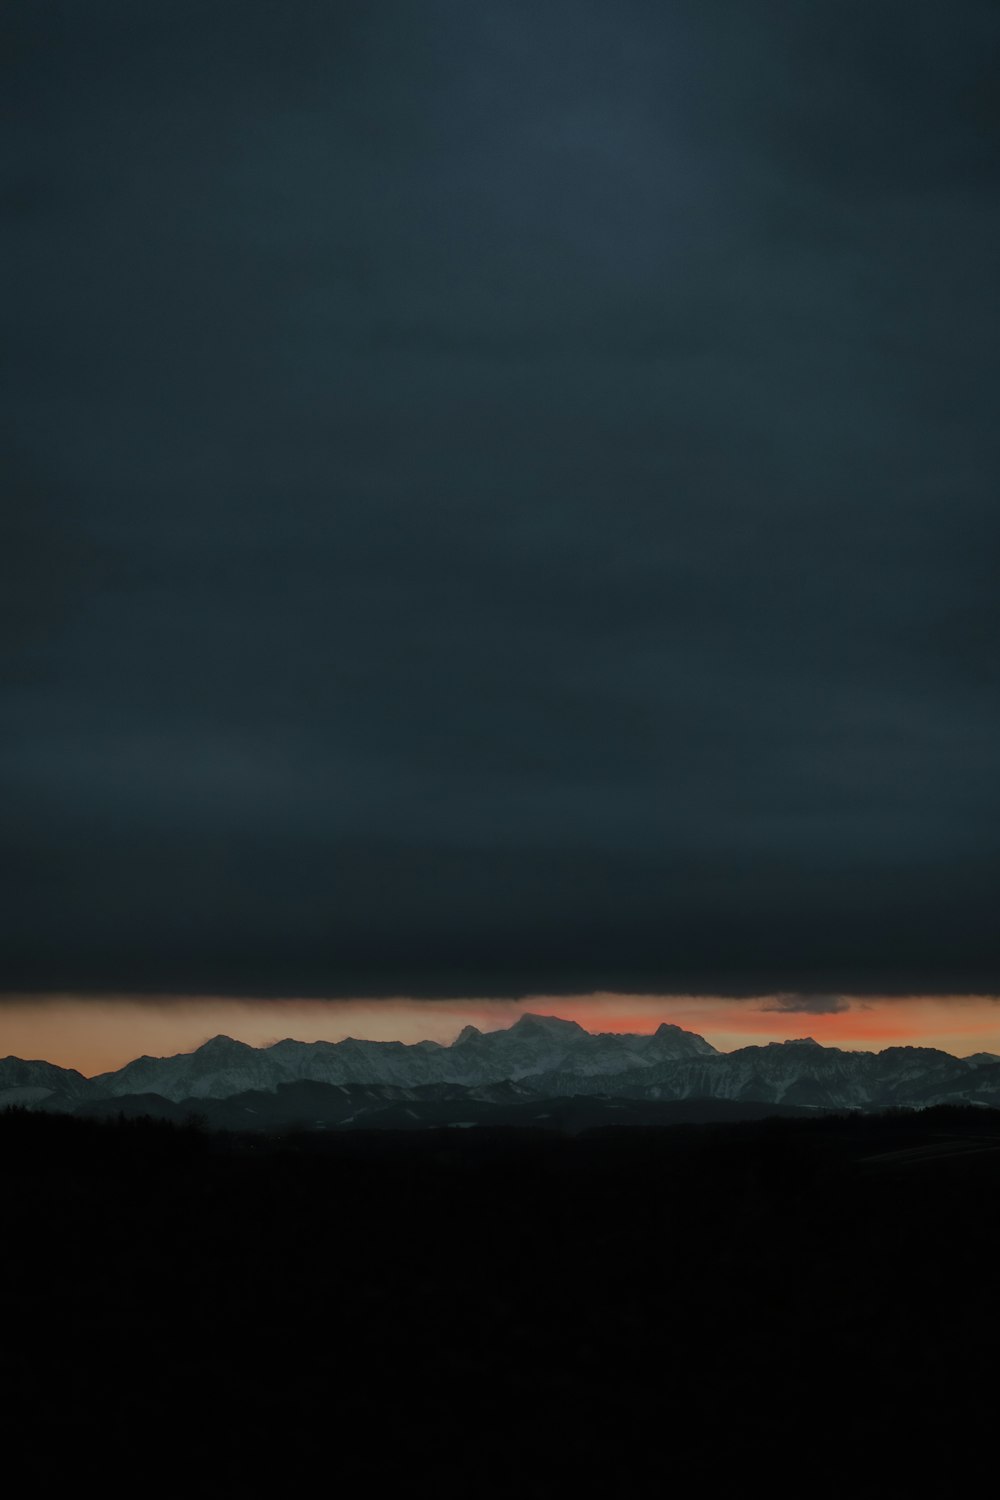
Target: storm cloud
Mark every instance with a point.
(813, 1005)
(500, 498)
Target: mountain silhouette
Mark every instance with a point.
(538, 1058)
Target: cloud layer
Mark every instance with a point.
(812, 1005)
(501, 498)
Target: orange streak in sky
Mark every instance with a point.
(94, 1035)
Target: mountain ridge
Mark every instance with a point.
(542, 1057)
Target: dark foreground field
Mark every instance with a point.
(807, 1306)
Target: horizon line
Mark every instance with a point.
(525, 1015)
(99, 1035)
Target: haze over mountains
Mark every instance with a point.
(504, 1076)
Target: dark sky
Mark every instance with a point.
(500, 497)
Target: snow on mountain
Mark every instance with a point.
(29, 1082)
(219, 1067)
(802, 1073)
(534, 1044)
(539, 1056)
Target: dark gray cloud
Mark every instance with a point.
(500, 498)
(812, 1005)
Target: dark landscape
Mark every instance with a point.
(507, 1312)
(578, 1262)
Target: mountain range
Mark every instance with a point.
(540, 1070)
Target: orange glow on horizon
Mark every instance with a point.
(95, 1035)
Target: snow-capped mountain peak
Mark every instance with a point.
(555, 1026)
(540, 1056)
(467, 1034)
(223, 1046)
